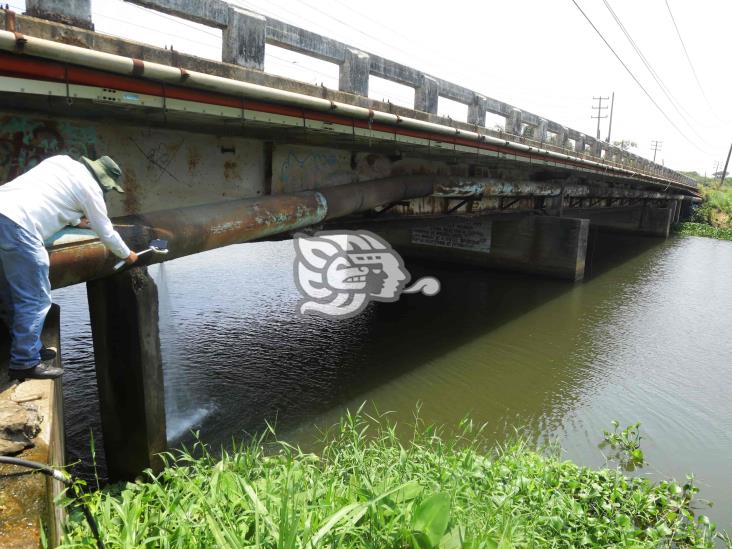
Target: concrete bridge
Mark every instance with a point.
(218, 153)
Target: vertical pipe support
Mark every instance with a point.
(124, 317)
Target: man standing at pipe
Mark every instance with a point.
(58, 192)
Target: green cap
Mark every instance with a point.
(106, 171)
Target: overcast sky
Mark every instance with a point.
(539, 55)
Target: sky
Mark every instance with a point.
(538, 55)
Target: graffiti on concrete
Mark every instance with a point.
(24, 142)
(160, 156)
(302, 168)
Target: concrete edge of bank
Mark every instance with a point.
(31, 428)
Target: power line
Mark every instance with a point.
(688, 58)
(636, 79)
(661, 84)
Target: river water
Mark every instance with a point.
(646, 337)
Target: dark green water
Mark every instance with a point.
(645, 338)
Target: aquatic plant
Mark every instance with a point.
(368, 487)
(703, 229)
(626, 443)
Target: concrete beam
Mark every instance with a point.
(214, 13)
(70, 12)
(244, 39)
(642, 220)
(551, 246)
(426, 95)
(353, 74)
(304, 41)
(124, 318)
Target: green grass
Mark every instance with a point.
(370, 488)
(703, 229)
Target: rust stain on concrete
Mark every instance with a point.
(194, 159)
(132, 192)
(230, 170)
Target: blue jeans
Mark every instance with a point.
(25, 291)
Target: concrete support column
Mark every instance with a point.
(562, 137)
(477, 111)
(514, 122)
(353, 75)
(592, 143)
(71, 12)
(426, 95)
(656, 221)
(540, 131)
(124, 318)
(244, 39)
(597, 148)
(579, 144)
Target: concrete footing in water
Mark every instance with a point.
(31, 428)
(124, 316)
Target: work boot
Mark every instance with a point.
(48, 353)
(43, 370)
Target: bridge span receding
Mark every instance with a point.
(223, 153)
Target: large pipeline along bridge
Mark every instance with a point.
(219, 153)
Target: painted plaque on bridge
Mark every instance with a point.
(469, 235)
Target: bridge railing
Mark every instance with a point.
(245, 35)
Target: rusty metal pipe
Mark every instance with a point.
(188, 231)
(358, 197)
(199, 228)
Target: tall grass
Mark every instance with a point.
(369, 488)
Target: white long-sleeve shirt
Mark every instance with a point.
(57, 193)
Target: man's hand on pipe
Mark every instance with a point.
(132, 258)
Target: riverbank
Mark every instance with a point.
(713, 219)
(703, 229)
(369, 488)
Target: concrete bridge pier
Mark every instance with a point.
(545, 245)
(124, 317)
(642, 220)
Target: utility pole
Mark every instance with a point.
(724, 170)
(610, 124)
(599, 110)
(655, 147)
